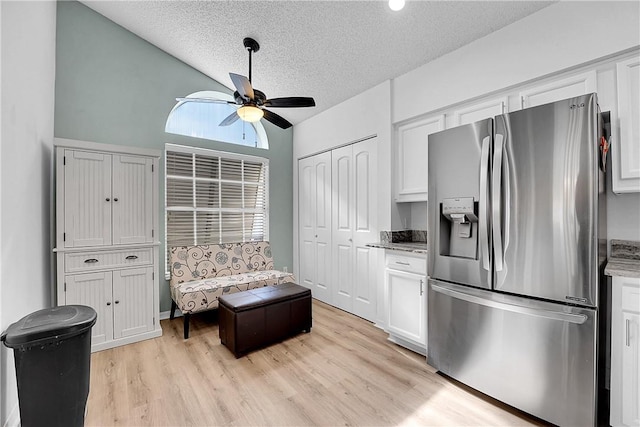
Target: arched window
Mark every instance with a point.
(201, 120)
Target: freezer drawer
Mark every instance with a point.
(539, 357)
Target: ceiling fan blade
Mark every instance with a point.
(230, 119)
(290, 102)
(276, 119)
(243, 85)
(211, 100)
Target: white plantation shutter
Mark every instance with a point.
(214, 197)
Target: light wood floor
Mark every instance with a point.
(344, 372)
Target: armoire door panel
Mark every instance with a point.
(87, 178)
(93, 290)
(132, 304)
(132, 199)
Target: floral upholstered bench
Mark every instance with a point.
(201, 274)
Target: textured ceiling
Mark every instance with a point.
(330, 50)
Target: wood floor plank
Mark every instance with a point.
(344, 372)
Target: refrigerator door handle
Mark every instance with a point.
(484, 198)
(496, 192)
(547, 314)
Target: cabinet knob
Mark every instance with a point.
(108, 303)
(117, 302)
(115, 199)
(108, 199)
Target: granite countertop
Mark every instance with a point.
(404, 240)
(415, 247)
(624, 260)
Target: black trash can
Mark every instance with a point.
(52, 351)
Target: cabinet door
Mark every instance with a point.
(87, 198)
(411, 164)
(631, 369)
(626, 154)
(314, 216)
(132, 302)
(485, 110)
(406, 298)
(132, 200)
(93, 290)
(580, 84)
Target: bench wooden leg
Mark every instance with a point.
(173, 309)
(186, 325)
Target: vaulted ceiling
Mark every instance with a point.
(330, 50)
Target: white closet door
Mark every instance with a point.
(93, 290)
(132, 200)
(365, 230)
(314, 201)
(343, 185)
(132, 302)
(87, 178)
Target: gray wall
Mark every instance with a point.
(115, 88)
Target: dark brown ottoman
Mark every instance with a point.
(255, 318)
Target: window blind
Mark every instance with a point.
(214, 197)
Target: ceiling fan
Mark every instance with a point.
(251, 101)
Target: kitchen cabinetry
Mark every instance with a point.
(314, 201)
(626, 153)
(337, 218)
(106, 222)
(485, 110)
(411, 161)
(406, 296)
(625, 352)
(580, 84)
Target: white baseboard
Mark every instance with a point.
(166, 314)
(13, 420)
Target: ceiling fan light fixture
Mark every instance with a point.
(396, 5)
(249, 113)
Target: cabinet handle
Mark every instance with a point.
(115, 199)
(108, 199)
(627, 337)
(132, 257)
(402, 263)
(108, 303)
(91, 261)
(421, 287)
(117, 302)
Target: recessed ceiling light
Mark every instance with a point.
(396, 5)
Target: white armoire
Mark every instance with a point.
(107, 238)
(337, 208)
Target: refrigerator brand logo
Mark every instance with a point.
(576, 299)
(572, 106)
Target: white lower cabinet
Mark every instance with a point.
(625, 352)
(123, 300)
(406, 297)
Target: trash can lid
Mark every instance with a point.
(49, 325)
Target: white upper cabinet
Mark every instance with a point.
(485, 110)
(626, 153)
(411, 164)
(107, 199)
(577, 85)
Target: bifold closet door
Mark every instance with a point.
(354, 204)
(314, 213)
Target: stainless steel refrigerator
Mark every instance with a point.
(517, 247)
